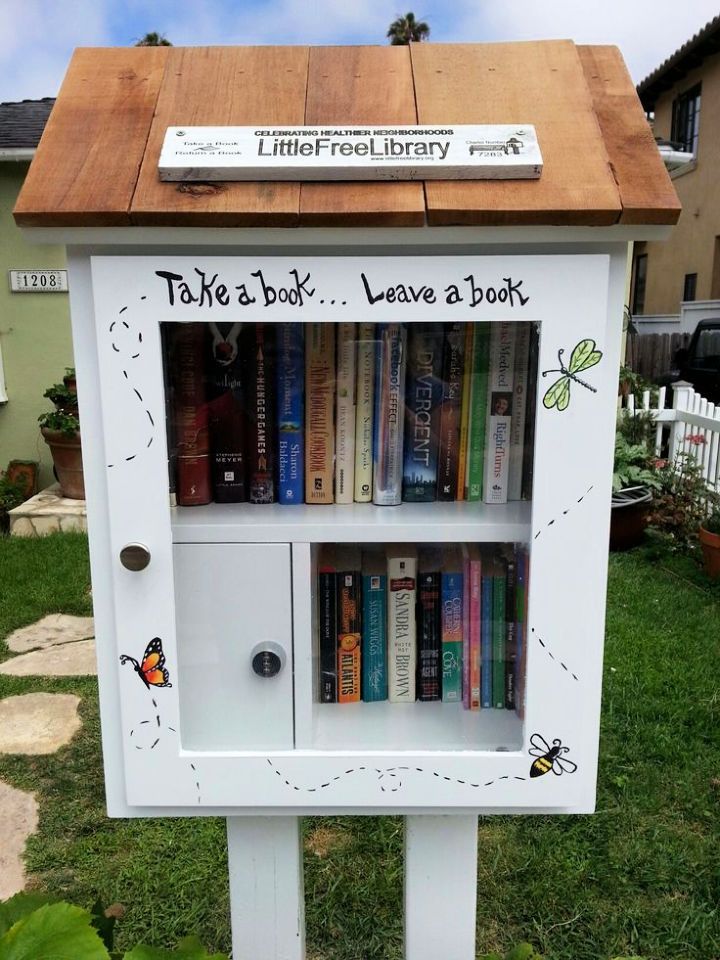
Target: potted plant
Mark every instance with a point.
(709, 534)
(61, 430)
(634, 479)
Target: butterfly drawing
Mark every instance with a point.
(583, 357)
(151, 669)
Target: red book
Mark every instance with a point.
(190, 413)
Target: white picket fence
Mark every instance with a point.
(691, 425)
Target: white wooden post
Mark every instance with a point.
(267, 897)
(681, 399)
(440, 887)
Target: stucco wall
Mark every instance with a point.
(691, 248)
(34, 333)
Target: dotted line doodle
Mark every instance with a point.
(552, 656)
(197, 782)
(155, 725)
(120, 330)
(392, 774)
(550, 523)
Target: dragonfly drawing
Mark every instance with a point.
(583, 357)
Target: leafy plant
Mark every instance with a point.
(633, 466)
(62, 396)
(638, 428)
(11, 494)
(523, 951)
(66, 423)
(682, 501)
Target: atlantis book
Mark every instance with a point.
(349, 617)
(500, 410)
(345, 414)
(290, 412)
(364, 397)
(259, 341)
(226, 407)
(429, 627)
(319, 404)
(402, 592)
(327, 621)
(374, 633)
(390, 365)
(450, 408)
(423, 393)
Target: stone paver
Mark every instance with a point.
(18, 820)
(38, 723)
(47, 512)
(67, 660)
(51, 630)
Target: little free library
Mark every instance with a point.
(347, 327)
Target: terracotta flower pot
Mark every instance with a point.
(628, 517)
(710, 544)
(67, 457)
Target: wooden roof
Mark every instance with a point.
(96, 164)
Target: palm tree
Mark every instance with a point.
(407, 30)
(153, 40)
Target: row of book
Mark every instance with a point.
(402, 624)
(351, 412)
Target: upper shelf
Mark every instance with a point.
(352, 523)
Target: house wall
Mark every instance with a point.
(691, 247)
(34, 334)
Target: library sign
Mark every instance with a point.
(455, 152)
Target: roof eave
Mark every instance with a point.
(18, 154)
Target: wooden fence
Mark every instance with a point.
(691, 425)
(651, 354)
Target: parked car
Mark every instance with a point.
(699, 362)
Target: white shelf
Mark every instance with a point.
(352, 523)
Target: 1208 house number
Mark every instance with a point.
(38, 281)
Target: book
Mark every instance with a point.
(349, 622)
(521, 607)
(450, 409)
(319, 408)
(519, 410)
(290, 377)
(475, 605)
(466, 627)
(478, 411)
(345, 414)
(465, 411)
(190, 413)
(226, 413)
(166, 340)
(451, 624)
(530, 412)
(486, 634)
(401, 626)
(499, 627)
(423, 393)
(327, 626)
(373, 654)
(429, 627)
(390, 366)
(499, 414)
(259, 347)
(510, 633)
(365, 394)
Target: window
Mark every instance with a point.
(639, 278)
(686, 120)
(689, 286)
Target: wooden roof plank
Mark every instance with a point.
(217, 86)
(87, 162)
(361, 85)
(538, 82)
(646, 190)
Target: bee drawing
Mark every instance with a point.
(549, 758)
(583, 356)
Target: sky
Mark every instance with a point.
(37, 37)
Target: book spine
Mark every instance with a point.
(402, 652)
(451, 585)
(349, 606)
(497, 448)
(320, 395)
(478, 411)
(519, 410)
(521, 601)
(429, 636)
(531, 407)
(475, 634)
(190, 414)
(486, 649)
(374, 638)
(498, 636)
(450, 409)
(422, 413)
(365, 395)
(465, 411)
(262, 427)
(511, 635)
(390, 367)
(327, 618)
(166, 338)
(291, 414)
(345, 414)
(466, 631)
(226, 408)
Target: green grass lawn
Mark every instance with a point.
(639, 878)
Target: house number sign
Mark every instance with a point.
(38, 281)
(442, 152)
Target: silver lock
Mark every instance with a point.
(135, 556)
(267, 659)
